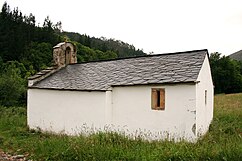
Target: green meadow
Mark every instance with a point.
(222, 142)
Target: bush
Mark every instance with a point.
(12, 85)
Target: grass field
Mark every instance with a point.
(223, 142)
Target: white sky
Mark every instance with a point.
(161, 26)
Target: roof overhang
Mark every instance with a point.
(113, 86)
(66, 89)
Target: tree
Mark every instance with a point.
(58, 27)
(226, 74)
(48, 24)
(30, 20)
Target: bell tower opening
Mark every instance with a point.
(68, 55)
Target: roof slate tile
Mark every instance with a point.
(155, 69)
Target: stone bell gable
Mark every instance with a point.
(64, 53)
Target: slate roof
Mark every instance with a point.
(179, 67)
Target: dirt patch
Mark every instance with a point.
(7, 157)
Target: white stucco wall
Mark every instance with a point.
(68, 112)
(133, 115)
(204, 110)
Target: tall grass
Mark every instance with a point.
(222, 142)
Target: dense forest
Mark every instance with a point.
(26, 48)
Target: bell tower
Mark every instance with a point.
(64, 53)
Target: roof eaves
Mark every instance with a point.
(151, 84)
(66, 89)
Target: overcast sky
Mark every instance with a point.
(159, 26)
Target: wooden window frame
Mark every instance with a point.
(158, 98)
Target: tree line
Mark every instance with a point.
(21, 40)
(26, 48)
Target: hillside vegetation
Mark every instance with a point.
(236, 56)
(222, 142)
(26, 48)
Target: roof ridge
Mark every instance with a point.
(153, 55)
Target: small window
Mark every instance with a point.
(206, 97)
(158, 99)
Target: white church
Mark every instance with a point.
(165, 96)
